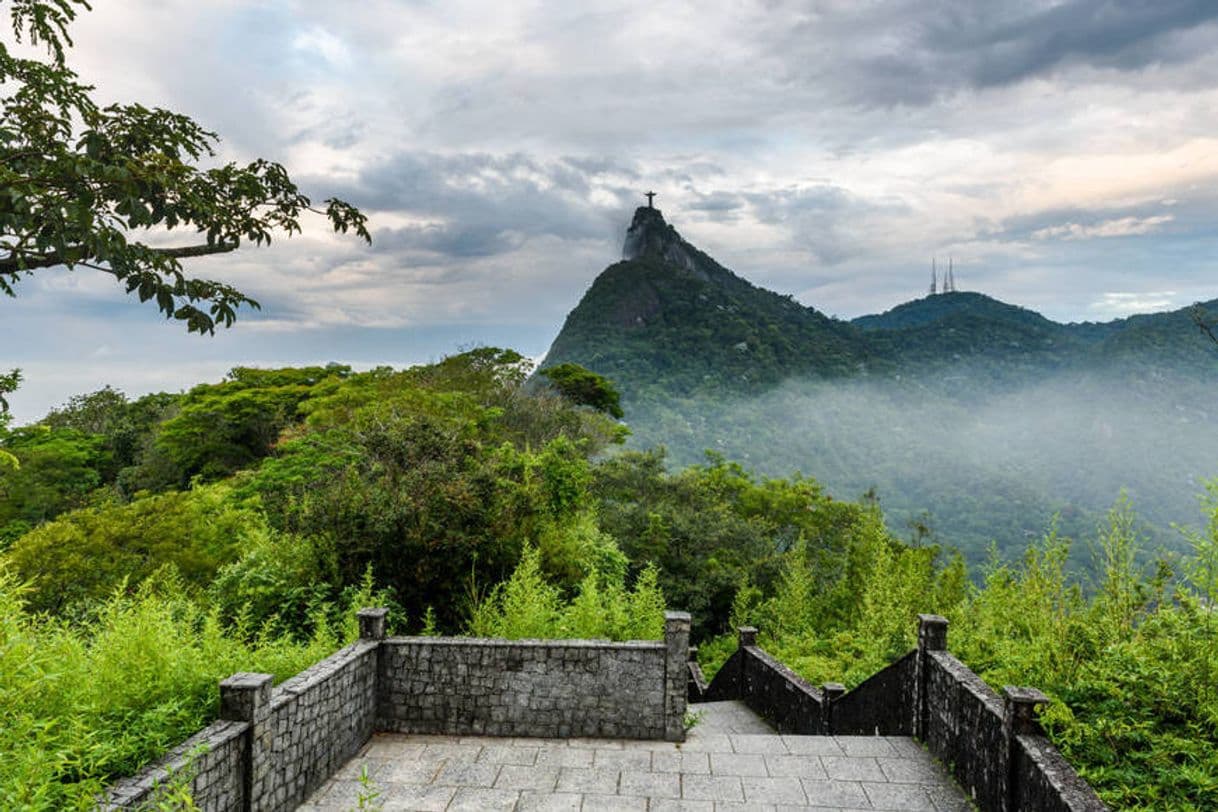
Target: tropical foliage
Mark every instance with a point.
(1128, 658)
(236, 526)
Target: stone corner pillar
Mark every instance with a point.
(830, 692)
(932, 636)
(372, 623)
(932, 633)
(246, 697)
(1019, 706)
(676, 674)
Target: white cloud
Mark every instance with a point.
(1119, 227)
(318, 41)
(1118, 304)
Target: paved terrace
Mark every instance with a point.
(731, 760)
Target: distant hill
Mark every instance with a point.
(977, 418)
(948, 306)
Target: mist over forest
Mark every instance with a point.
(963, 461)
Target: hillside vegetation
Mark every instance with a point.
(140, 567)
(968, 417)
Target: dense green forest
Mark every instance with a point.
(151, 546)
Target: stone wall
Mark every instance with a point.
(274, 746)
(964, 729)
(318, 720)
(880, 705)
(1048, 782)
(991, 744)
(550, 688)
(776, 692)
(212, 762)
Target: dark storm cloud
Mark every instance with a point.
(455, 240)
(480, 205)
(916, 51)
(1122, 34)
(722, 204)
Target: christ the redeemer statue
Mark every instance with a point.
(650, 196)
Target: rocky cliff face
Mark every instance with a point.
(650, 237)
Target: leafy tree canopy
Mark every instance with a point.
(80, 180)
(585, 388)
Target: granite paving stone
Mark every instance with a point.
(795, 766)
(564, 757)
(515, 776)
(649, 784)
(712, 788)
(461, 774)
(534, 801)
(622, 759)
(613, 803)
(758, 743)
(910, 771)
(587, 779)
(423, 799)
(509, 754)
(905, 747)
(898, 796)
(670, 805)
(421, 771)
(708, 742)
(773, 790)
(835, 793)
(737, 764)
(680, 761)
(865, 745)
(727, 763)
(813, 746)
(353, 768)
(452, 752)
(852, 768)
(472, 799)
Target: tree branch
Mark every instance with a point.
(15, 263)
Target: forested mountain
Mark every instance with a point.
(972, 419)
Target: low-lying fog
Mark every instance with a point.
(977, 461)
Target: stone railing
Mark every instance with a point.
(992, 745)
(272, 747)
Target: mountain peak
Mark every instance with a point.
(649, 236)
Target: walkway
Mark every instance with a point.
(732, 760)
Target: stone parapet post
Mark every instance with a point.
(1018, 719)
(747, 636)
(831, 691)
(246, 697)
(932, 633)
(372, 623)
(932, 636)
(676, 674)
(372, 630)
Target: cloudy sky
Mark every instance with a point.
(1063, 153)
